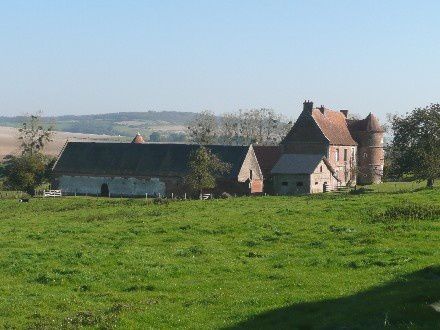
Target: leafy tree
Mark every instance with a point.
(33, 135)
(31, 168)
(155, 137)
(204, 166)
(28, 171)
(415, 148)
(203, 128)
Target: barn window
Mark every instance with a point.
(284, 183)
(299, 184)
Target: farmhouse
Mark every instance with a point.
(352, 150)
(136, 169)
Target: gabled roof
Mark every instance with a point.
(299, 164)
(321, 125)
(267, 157)
(132, 159)
(368, 124)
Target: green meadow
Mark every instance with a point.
(367, 260)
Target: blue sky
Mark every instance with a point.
(79, 57)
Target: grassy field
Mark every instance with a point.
(348, 261)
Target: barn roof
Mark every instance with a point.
(299, 164)
(133, 159)
(267, 157)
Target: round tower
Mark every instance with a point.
(370, 161)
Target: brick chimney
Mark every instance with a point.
(308, 106)
(344, 112)
(322, 109)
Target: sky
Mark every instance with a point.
(84, 57)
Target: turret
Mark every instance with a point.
(370, 161)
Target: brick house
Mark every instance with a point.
(136, 169)
(328, 133)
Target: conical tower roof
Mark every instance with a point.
(138, 138)
(372, 124)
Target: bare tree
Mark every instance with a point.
(33, 135)
(203, 129)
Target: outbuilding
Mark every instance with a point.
(136, 169)
(303, 174)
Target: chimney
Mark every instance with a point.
(308, 106)
(322, 109)
(344, 112)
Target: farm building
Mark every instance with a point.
(353, 148)
(136, 169)
(267, 157)
(303, 174)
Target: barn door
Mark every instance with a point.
(104, 190)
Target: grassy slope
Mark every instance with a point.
(247, 262)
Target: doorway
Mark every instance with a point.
(104, 190)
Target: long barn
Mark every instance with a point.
(136, 169)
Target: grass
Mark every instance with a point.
(320, 261)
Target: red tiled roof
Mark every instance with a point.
(138, 139)
(333, 125)
(267, 157)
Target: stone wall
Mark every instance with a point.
(117, 186)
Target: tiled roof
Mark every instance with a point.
(267, 157)
(138, 139)
(299, 164)
(132, 159)
(333, 125)
(368, 124)
(317, 127)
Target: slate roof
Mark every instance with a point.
(299, 164)
(315, 126)
(368, 124)
(139, 160)
(267, 157)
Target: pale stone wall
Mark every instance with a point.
(250, 163)
(318, 179)
(288, 184)
(117, 185)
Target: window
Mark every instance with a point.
(352, 153)
(284, 183)
(337, 155)
(316, 183)
(365, 155)
(250, 174)
(320, 169)
(345, 155)
(299, 184)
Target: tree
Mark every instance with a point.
(155, 137)
(33, 135)
(204, 166)
(415, 149)
(31, 168)
(28, 171)
(203, 129)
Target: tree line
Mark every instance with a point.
(258, 126)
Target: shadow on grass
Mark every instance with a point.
(410, 302)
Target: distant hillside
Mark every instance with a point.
(120, 123)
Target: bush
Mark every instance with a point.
(410, 211)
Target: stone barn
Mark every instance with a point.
(136, 169)
(296, 174)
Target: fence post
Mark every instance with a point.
(184, 196)
(146, 196)
(172, 195)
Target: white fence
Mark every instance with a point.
(52, 193)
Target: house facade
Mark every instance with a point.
(296, 174)
(136, 169)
